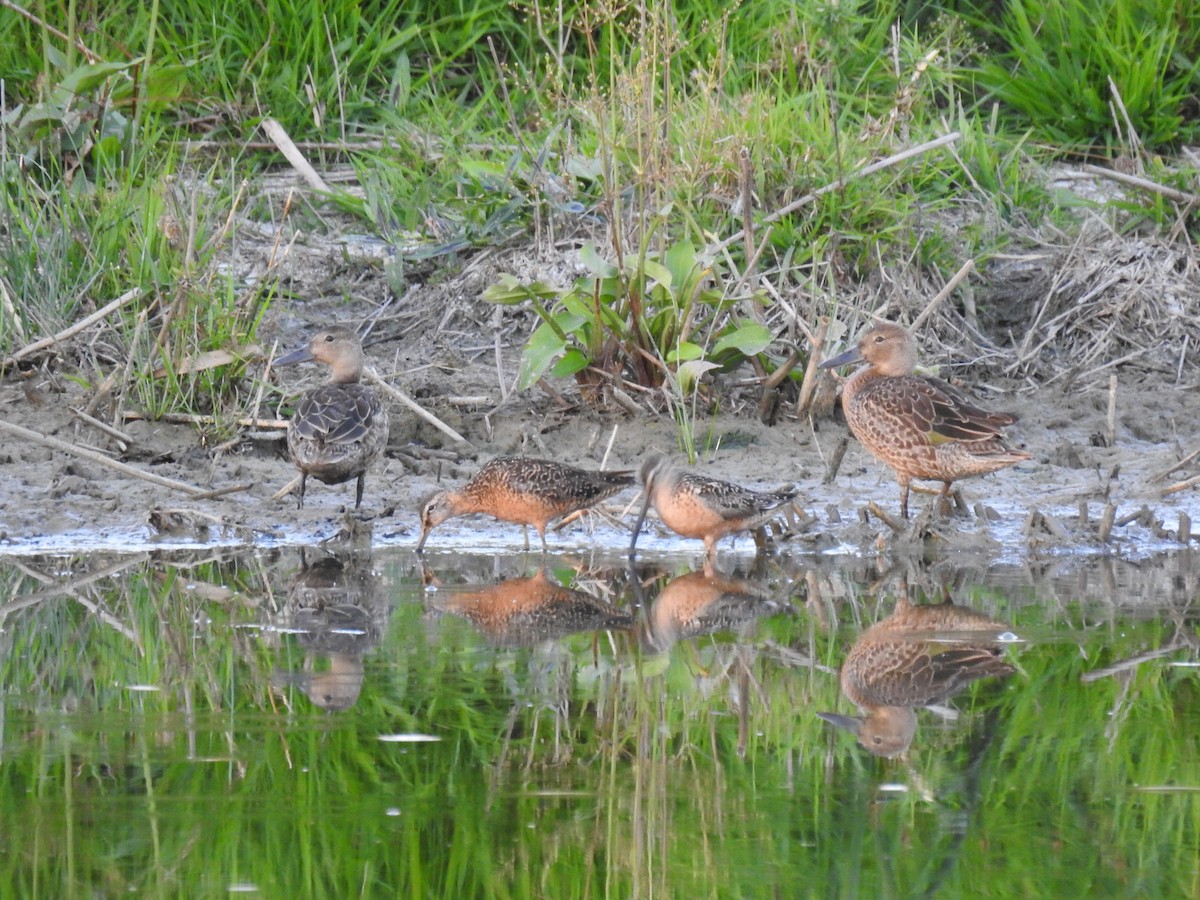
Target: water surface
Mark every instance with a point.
(310, 723)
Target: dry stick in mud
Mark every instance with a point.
(396, 394)
(841, 182)
(71, 330)
(95, 456)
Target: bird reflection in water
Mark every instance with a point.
(337, 616)
(523, 612)
(920, 655)
(704, 602)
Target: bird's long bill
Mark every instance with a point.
(847, 723)
(637, 528)
(843, 359)
(425, 529)
(296, 356)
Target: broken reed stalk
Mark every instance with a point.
(808, 386)
(839, 183)
(963, 271)
(399, 395)
(71, 330)
(292, 154)
(195, 419)
(97, 457)
(1112, 410)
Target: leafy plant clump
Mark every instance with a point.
(659, 319)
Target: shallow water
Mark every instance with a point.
(305, 723)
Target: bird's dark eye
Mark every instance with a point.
(329, 339)
(878, 740)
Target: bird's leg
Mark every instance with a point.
(904, 496)
(358, 493)
(541, 530)
(944, 499)
(303, 481)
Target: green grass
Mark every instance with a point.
(508, 123)
(581, 764)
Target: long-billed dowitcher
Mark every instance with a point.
(918, 656)
(704, 602)
(523, 612)
(339, 428)
(921, 427)
(524, 491)
(696, 506)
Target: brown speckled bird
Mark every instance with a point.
(922, 427)
(339, 428)
(696, 506)
(699, 603)
(521, 612)
(918, 656)
(525, 491)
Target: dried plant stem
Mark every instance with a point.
(943, 294)
(1144, 184)
(293, 155)
(121, 437)
(399, 395)
(887, 162)
(71, 330)
(808, 387)
(1112, 410)
(195, 419)
(1182, 485)
(83, 48)
(95, 456)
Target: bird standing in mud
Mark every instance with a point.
(921, 427)
(339, 428)
(696, 506)
(524, 491)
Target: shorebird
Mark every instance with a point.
(699, 603)
(339, 428)
(523, 612)
(918, 656)
(919, 426)
(696, 506)
(524, 491)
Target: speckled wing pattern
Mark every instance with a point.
(917, 673)
(929, 407)
(337, 413)
(732, 501)
(557, 485)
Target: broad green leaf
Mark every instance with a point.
(748, 339)
(594, 262)
(509, 290)
(684, 352)
(87, 77)
(574, 360)
(658, 273)
(543, 348)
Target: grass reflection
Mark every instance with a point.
(182, 724)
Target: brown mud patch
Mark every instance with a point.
(1054, 327)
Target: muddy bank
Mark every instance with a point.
(1056, 503)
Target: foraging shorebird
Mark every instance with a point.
(524, 491)
(918, 656)
(696, 506)
(339, 428)
(921, 427)
(704, 602)
(523, 612)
